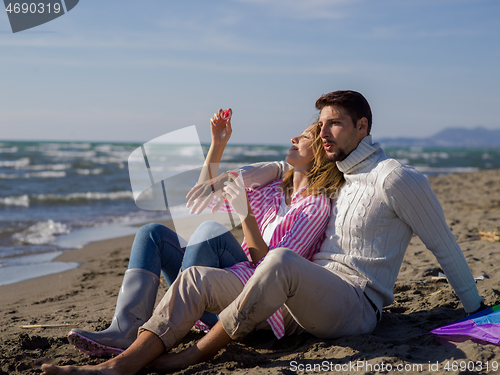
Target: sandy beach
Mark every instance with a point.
(87, 296)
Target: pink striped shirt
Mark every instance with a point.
(302, 230)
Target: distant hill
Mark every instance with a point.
(451, 137)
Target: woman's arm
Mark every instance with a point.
(257, 247)
(200, 196)
(306, 228)
(236, 195)
(220, 130)
(302, 236)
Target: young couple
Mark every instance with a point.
(351, 277)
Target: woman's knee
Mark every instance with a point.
(151, 229)
(152, 237)
(210, 229)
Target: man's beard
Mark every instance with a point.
(338, 155)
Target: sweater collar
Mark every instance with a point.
(355, 161)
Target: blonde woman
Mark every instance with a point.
(292, 212)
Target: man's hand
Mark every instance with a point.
(201, 195)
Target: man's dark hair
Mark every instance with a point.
(353, 102)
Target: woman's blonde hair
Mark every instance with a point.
(323, 177)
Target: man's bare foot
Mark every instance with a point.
(73, 370)
(206, 348)
(169, 362)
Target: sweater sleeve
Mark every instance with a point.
(259, 174)
(410, 196)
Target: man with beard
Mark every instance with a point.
(377, 210)
(350, 279)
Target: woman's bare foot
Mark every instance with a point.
(73, 370)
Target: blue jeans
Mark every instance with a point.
(156, 248)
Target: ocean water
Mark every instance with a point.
(444, 161)
(56, 196)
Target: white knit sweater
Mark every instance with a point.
(380, 206)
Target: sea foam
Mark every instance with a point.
(20, 201)
(41, 233)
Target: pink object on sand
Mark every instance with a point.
(200, 326)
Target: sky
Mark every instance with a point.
(130, 71)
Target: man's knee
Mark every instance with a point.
(280, 259)
(200, 279)
(192, 277)
(214, 287)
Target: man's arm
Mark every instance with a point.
(260, 174)
(410, 196)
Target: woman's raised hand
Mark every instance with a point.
(220, 128)
(209, 183)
